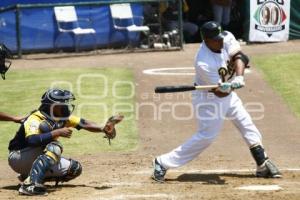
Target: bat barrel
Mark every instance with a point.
(169, 89)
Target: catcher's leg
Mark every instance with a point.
(33, 185)
(21, 161)
(66, 170)
(74, 171)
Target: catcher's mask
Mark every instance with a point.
(5, 54)
(56, 103)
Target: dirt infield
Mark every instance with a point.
(216, 174)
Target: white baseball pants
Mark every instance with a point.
(210, 113)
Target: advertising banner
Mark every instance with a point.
(269, 20)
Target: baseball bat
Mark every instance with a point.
(183, 88)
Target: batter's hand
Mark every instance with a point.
(225, 87)
(238, 82)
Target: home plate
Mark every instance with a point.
(260, 187)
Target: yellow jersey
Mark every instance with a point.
(39, 123)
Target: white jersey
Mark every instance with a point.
(207, 62)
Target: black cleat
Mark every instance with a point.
(268, 170)
(159, 172)
(33, 190)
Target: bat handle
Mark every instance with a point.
(206, 87)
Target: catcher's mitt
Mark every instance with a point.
(109, 128)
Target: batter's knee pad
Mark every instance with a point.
(74, 170)
(54, 150)
(258, 154)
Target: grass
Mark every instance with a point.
(22, 90)
(282, 72)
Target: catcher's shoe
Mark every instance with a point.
(268, 170)
(32, 189)
(159, 172)
(22, 178)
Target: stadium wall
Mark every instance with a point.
(295, 20)
(38, 28)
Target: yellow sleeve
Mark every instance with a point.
(73, 121)
(31, 125)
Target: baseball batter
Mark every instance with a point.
(219, 61)
(36, 153)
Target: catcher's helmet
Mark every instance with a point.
(57, 98)
(5, 53)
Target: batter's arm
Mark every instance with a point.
(240, 62)
(239, 67)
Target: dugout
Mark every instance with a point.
(31, 26)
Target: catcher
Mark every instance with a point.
(36, 153)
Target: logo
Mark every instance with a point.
(34, 126)
(270, 16)
(30, 189)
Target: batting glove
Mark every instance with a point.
(225, 87)
(238, 82)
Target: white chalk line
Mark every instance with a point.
(260, 187)
(139, 196)
(121, 184)
(215, 171)
(180, 71)
(166, 71)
